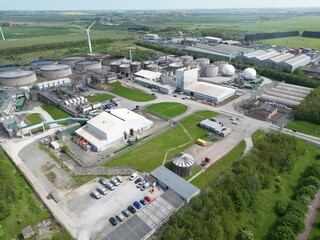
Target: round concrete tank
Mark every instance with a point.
(88, 65)
(249, 74)
(135, 67)
(202, 62)
(186, 60)
(9, 68)
(115, 67)
(211, 70)
(71, 60)
(98, 55)
(126, 61)
(220, 64)
(110, 59)
(153, 67)
(182, 164)
(146, 64)
(56, 71)
(17, 78)
(41, 63)
(125, 68)
(228, 70)
(175, 66)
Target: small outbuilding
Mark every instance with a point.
(27, 232)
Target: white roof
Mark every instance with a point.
(92, 138)
(211, 90)
(54, 82)
(148, 74)
(297, 59)
(281, 57)
(255, 53)
(267, 55)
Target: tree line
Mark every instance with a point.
(216, 212)
(311, 34)
(261, 36)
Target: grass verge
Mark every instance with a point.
(55, 112)
(167, 109)
(305, 127)
(34, 118)
(131, 94)
(100, 98)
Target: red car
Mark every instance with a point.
(147, 198)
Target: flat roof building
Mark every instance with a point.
(149, 75)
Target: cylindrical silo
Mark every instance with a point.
(146, 64)
(125, 69)
(135, 67)
(182, 164)
(202, 62)
(211, 70)
(88, 65)
(110, 59)
(71, 60)
(153, 67)
(56, 71)
(115, 67)
(186, 60)
(17, 78)
(175, 66)
(220, 64)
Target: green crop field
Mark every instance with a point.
(55, 112)
(149, 155)
(100, 98)
(294, 42)
(305, 127)
(168, 109)
(34, 118)
(26, 208)
(130, 93)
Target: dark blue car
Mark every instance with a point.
(137, 204)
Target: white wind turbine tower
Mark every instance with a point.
(3, 38)
(88, 34)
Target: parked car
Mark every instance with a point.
(137, 204)
(139, 185)
(95, 194)
(147, 198)
(204, 163)
(110, 186)
(133, 176)
(126, 213)
(101, 189)
(138, 180)
(232, 118)
(120, 179)
(113, 221)
(114, 181)
(234, 122)
(131, 209)
(120, 217)
(143, 201)
(145, 186)
(103, 181)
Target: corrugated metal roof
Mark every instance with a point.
(183, 160)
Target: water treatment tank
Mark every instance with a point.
(182, 164)
(111, 59)
(56, 71)
(153, 67)
(220, 64)
(186, 60)
(175, 66)
(115, 67)
(211, 70)
(124, 68)
(17, 78)
(202, 62)
(41, 63)
(88, 65)
(9, 68)
(228, 70)
(146, 64)
(135, 67)
(71, 60)
(249, 74)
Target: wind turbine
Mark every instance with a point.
(88, 34)
(3, 38)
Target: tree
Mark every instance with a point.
(2, 233)
(245, 234)
(281, 207)
(283, 233)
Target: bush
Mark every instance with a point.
(281, 207)
(65, 149)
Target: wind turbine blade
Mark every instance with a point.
(80, 27)
(3, 38)
(91, 25)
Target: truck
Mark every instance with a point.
(201, 142)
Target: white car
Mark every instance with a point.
(232, 118)
(133, 176)
(235, 122)
(119, 179)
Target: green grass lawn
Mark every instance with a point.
(34, 118)
(100, 98)
(168, 109)
(27, 210)
(305, 127)
(294, 42)
(55, 112)
(315, 231)
(131, 94)
(149, 155)
(220, 167)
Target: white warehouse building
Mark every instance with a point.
(108, 127)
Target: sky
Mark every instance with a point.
(149, 4)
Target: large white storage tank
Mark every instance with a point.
(56, 71)
(221, 65)
(88, 65)
(249, 74)
(228, 70)
(211, 70)
(202, 62)
(17, 78)
(182, 164)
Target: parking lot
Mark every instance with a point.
(92, 215)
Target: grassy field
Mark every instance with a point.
(100, 98)
(168, 109)
(295, 42)
(305, 127)
(55, 112)
(220, 167)
(130, 93)
(34, 118)
(27, 209)
(315, 231)
(150, 154)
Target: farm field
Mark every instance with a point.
(305, 127)
(100, 98)
(294, 42)
(158, 146)
(130, 93)
(167, 109)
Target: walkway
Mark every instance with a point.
(249, 145)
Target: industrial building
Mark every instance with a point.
(56, 71)
(215, 127)
(17, 78)
(54, 83)
(182, 164)
(186, 76)
(148, 75)
(223, 51)
(212, 40)
(108, 127)
(151, 37)
(171, 181)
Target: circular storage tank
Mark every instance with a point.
(126, 61)
(153, 67)
(182, 164)
(17, 78)
(228, 70)
(115, 67)
(88, 65)
(186, 60)
(211, 70)
(202, 62)
(9, 68)
(125, 68)
(146, 64)
(71, 60)
(221, 64)
(135, 67)
(41, 63)
(175, 66)
(249, 73)
(56, 71)
(110, 59)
